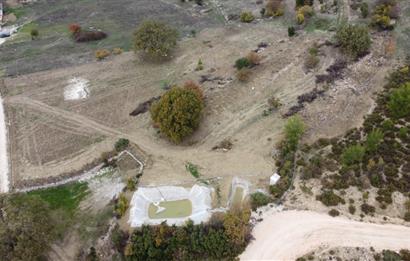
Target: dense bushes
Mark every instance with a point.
(26, 227)
(155, 39)
(383, 14)
(259, 199)
(178, 112)
(329, 198)
(121, 144)
(223, 238)
(399, 101)
(353, 39)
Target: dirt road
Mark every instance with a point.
(4, 163)
(291, 234)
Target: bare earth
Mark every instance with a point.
(291, 234)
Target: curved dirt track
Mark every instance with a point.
(291, 234)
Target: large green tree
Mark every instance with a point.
(26, 227)
(155, 38)
(178, 113)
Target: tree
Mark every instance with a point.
(294, 130)
(399, 101)
(353, 39)
(177, 113)
(26, 227)
(155, 38)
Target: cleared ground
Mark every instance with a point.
(291, 234)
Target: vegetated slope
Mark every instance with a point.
(290, 234)
(54, 47)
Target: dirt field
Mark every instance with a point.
(51, 136)
(295, 233)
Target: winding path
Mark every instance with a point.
(290, 234)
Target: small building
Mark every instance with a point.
(274, 179)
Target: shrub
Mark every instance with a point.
(121, 206)
(399, 101)
(306, 10)
(87, 36)
(243, 74)
(373, 140)
(74, 28)
(199, 66)
(274, 8)
(389, 255)
(177, 113)
(299, 3)
(100, 54)
(367, 209)
(300, 18)
(364, 9)
(155, 39)
(294, 130)
(353, 39)
(247, 17)
(311, 61)
(329, 198)
(291, 31)
(196, 88)
(253, 58)
(352, 209)
(259, 199)
(334, 212)
(117, 51)
(34, 34)
(242, 63)
(353, 154)
(121, 144)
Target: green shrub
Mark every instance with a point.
(177, 113)
(353, 154)
(242, 63)
(329, 198)
(403, 131)
(155, 38)
(367, 209)
(389, 255)
(364, 9)
(247, 17)
(34, 33)
(291, 31)
(334, 212)
(193, 169)
(121, 206)
(294, 130)
(352, 209)
(121, 144)
(373, 140)
(259, 199)
(353, 39)
(399, 101)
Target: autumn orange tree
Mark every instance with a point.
(178, 112)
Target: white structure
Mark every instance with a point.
(274, 179)
(199, 196)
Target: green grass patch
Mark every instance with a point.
(66, 197)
